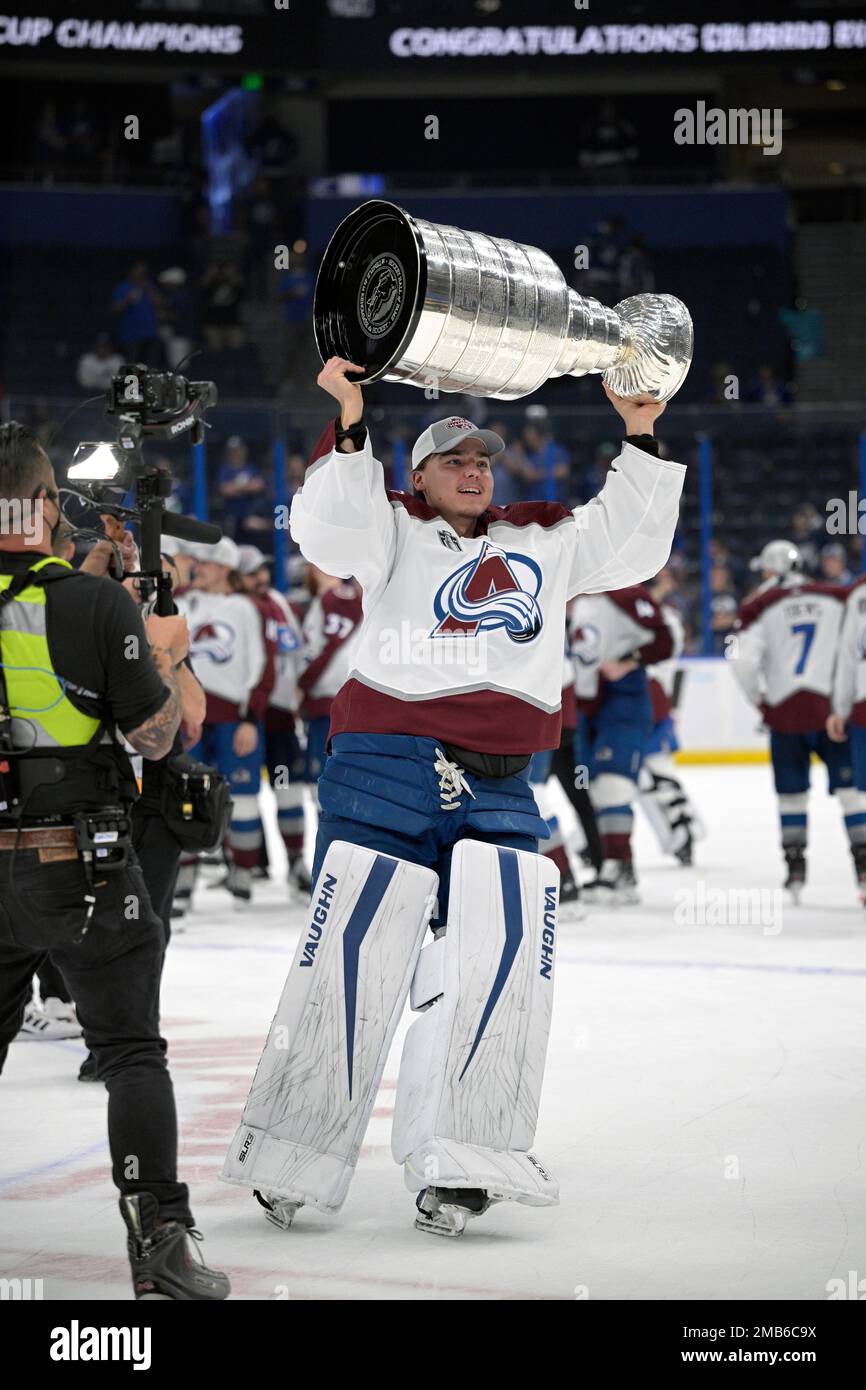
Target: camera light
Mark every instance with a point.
(95, 462)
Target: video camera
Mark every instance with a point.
(148, 405)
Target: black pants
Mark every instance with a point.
(159, 856)
(113, 976)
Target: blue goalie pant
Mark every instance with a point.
(614, 740)
(401, 796)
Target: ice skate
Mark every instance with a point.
(795, 882)
(571, 908)
(615, 886)
(299, 878)
(240, 885)
(858, 854)
(280, 1211)
(445, 1211)
(163, 1267)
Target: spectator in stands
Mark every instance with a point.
(509, 468)
(608, 143)
(135, 306)
(723, 605)
(296, 287)
(49, 142)
(634, 269)
(242, 487)
(604, 248)
(767, 389)
(809, 532)
(97, 366)
(86, 146)
(547, 468)
(835, 566)
(273, 147)
(175, 316)
(223, 286)
(722, 385)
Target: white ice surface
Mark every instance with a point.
(703, 1106)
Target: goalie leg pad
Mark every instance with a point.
(472, 1067)
(310, 1101)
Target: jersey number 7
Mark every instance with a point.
(807, 631)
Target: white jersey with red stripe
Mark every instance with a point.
(611, 627)
(849, 684)
(783, 655)
(289, 640)
(227, 652)
(332, 629)
(462, 636)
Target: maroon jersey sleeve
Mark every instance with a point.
(341, 608)
(642, 608)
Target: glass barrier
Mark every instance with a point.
(755, 474)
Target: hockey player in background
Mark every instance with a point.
(540, 769)
(332, 626)
(284, 756)
(663, 798)
(849, 707)
(231, 661)
(782, 654)
(614, 637)
(427, 816)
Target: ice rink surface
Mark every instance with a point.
(703, 1106)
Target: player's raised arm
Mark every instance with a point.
(342, 519)
(624, 535)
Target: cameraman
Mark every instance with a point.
(77, 664)
(157, 849)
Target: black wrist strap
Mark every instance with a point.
(357, 433)
(647, 442)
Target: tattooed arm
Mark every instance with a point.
(169, 643)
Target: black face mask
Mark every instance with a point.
(51, 496)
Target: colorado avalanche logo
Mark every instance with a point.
(213, 640)
(498, 589)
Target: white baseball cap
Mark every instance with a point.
(442, 435)
(250, 559)
(225, 552)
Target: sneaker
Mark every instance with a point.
(38, 1025)
(87, 1070)
(161, 1259)
(795, 859)
(614, 886)
(62, 1011)
(445, 1211)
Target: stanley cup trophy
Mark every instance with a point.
(431, 305)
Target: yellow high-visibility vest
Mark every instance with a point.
(43, 716)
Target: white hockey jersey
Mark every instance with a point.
(462, 636)
(290, 655)
(227, 652)
(849, 685)
(783, 651)
(332, 629)
(610, 627)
